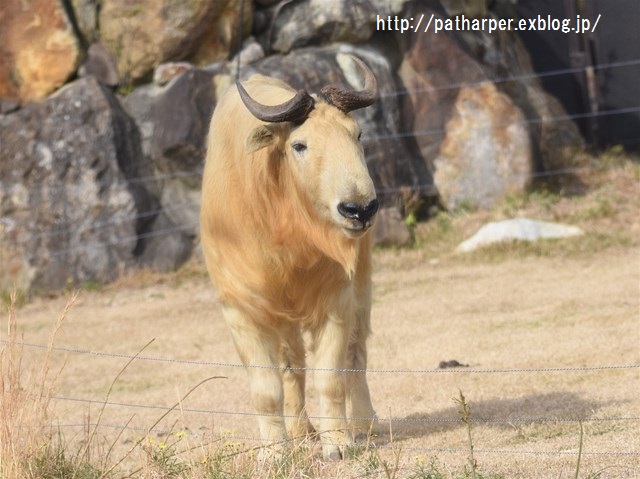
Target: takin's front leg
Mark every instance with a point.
(330, 347)
(293, 376)
(361, 414)
(258, 348)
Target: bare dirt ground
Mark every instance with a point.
(541, 331)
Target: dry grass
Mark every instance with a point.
(568, 304)
(25, 396)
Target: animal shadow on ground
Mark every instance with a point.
(501, 413)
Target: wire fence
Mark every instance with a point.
(462, 370)
(511, 420)
(69, 226)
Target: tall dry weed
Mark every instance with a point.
(25, 395)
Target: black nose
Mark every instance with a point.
(361, 213)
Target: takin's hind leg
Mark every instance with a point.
(258, 348)
(293, 362)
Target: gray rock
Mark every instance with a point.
(181, 122)
(521, 229)
(449, 77)
(101, 64)
(390, 228)
(8, 106)
(486, 151)
(167, 245)
(140, 105)
(73, 199)
(318, 22)
(174, 122)
(251, 52)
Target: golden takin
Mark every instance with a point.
(287, 211)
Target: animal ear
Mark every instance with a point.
(259, 138)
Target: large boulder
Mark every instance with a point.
(485, 153)
(181, 122)
(146, 33)
(74, 206)
(517, 129)
(397, 170)
(506, 63)
(433, 68)
(174, 122)
(38, 48)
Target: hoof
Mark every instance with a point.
(332, 454)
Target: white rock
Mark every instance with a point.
(522, 229)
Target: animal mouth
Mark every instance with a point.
(356, 229)
(357, 218)
(353, 233)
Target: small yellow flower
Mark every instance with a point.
(180, 434)
(162, 445)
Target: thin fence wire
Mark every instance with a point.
(516, 78)
(382, 420)
(65, 227)
(131, 239)
(525, 121)
(461, 370)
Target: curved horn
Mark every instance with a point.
(349, 100)
(295, 110)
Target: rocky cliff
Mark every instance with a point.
(104, 109)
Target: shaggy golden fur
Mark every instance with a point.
(284, 262)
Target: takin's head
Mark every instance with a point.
(320, 141)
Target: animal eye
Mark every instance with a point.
(299, 147)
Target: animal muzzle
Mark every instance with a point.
(360, 215)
